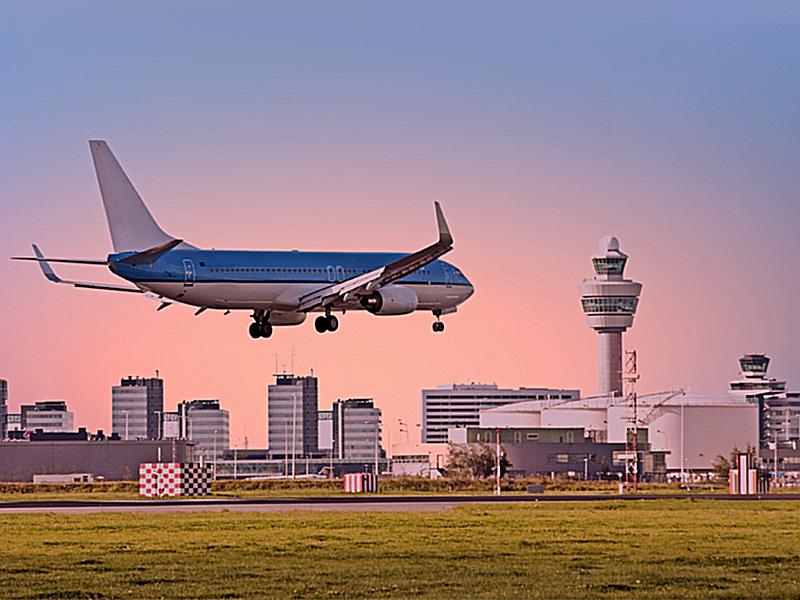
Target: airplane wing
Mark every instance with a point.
(366, 283)
(51, 275)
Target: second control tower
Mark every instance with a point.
(609, 302)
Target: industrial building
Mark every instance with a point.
(48, 416)
(691, 429)
(562, 451)
(113, 460)
(292, 404)
(459, 405)
(137, 404)
(609, 302)
(356, 429)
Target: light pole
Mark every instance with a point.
(214, 443)
(497, 462)
(683, 474)
(377, 443)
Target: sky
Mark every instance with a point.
(540, 127)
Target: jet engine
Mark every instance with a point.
(391, 300)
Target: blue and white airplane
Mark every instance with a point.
(280, 288)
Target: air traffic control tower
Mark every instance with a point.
(609, 302)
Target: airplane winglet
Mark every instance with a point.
(46, 268)
(445, 237)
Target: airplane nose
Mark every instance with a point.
(468, 290)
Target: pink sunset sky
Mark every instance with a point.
(538, 129)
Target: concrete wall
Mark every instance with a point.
(113, 460)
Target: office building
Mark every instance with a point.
(357, 430)
(459, 405)
(779, 410)
(3, 408)
(207, 425)
(325, 430)
(13, 425)
(292, 416)
(609, 302)
(49, 416)
(137, 405)
(171, 426)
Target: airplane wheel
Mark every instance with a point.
(438, 326)
(266, 329)
(321, 324)
(255, 330)
(332, 323)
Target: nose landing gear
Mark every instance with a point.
(438, 326)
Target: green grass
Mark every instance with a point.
(653, 549)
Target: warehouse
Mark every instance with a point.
(691, 429)
(113, 460)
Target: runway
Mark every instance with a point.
(341, 503)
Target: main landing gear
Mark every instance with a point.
(438, 326)
(328, 322)
(260, 326)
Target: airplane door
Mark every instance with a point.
(188, 273)
(339, 273)
(331, 273)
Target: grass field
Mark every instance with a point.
(653, 549)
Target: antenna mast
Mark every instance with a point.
(632, 433)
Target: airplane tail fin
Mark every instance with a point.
(131, 225)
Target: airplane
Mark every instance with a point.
(280, 287)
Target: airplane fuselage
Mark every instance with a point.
(273, 280)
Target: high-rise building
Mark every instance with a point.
(50, 416)
(357, 429)
(292, 415)
(3, 408)
(609, 302)
(459, 405)
(779, 410)
(137, 405)
(325, 431)
(207, 425)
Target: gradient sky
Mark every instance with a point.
(326, 125)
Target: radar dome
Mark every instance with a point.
(608, 243)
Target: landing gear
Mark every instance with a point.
(261, 326)
(326, 323)
(321, 324)
(438, 326)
